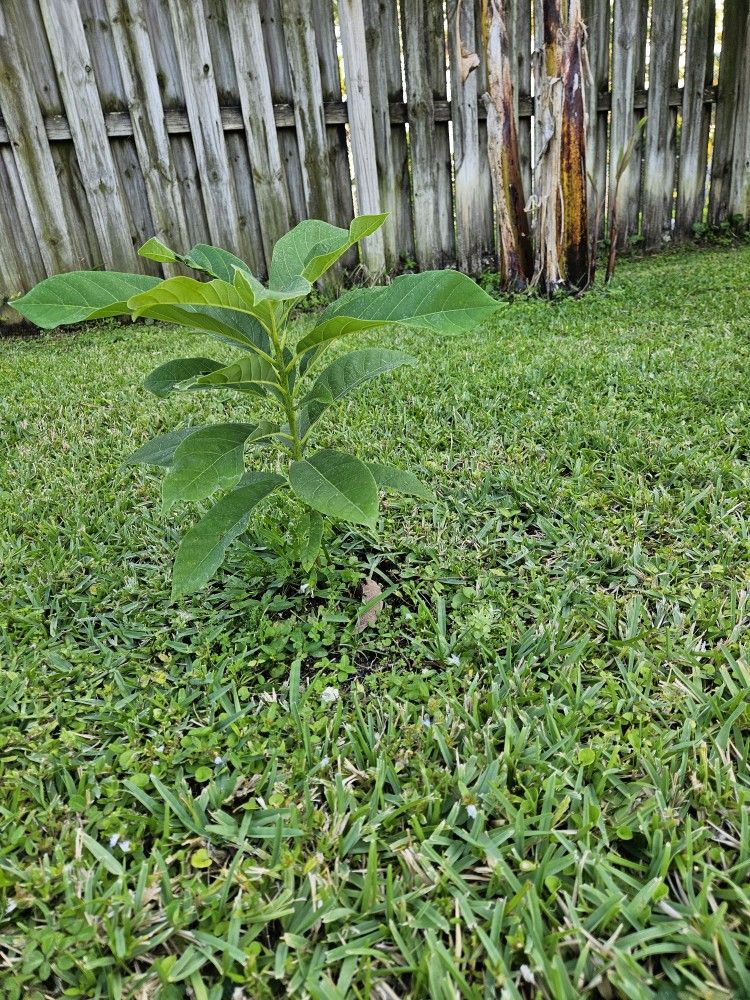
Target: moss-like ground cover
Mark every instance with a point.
(531, 776)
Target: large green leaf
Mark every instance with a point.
(210, 460)
(343, 376)
(441, 301)
(312, 538)
(81, 295)
(162, 380)
(160, 450)
(388, 477)
(229, 327)
(313, 246)
(204, 546)
(249, 374)
(338, 485)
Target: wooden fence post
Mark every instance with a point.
(62, 19)
(139, 77)
(730, 71)
(308, 109)
(254, 88)
(33, 157)
(691, 181)
(739, 194)
(196, 70)
(361, 132)
(421, 113)
(659, 166)
(623, 121)
(465, 113)
(597, 19)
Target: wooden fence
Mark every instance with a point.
(226, 121)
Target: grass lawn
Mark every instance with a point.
(534, 781)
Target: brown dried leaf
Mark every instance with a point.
(370, 590)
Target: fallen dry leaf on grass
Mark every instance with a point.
(370, 590)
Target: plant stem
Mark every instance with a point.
(286, 390)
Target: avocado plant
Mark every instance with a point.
(233, 307)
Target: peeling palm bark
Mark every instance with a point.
(562, 234)
(516, 257)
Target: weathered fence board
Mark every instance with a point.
(141, 88)
(691, 180)
(419, 98)
(70, 52)
(33, 156)
(361, 131)
(597, 17)
(659, 157)
(229, 120)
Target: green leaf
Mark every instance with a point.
(211, 260)
(441, 301)
(237, 329)
(182, 291)
(160, 450)
(338, 485)
(189, 962)
(313, 246)
(204, 546)
(249, 374)
(390, 478)
(312, 539)
(215, 261)
(154, 249)
(162, 380)
(81, 295)
(343, 376)
(211, 459)
(102, 855)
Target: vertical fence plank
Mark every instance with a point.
(254, 88)
(70, 53)
(19, 249)
(32, 154)
(201, 99)
(625, 51)
(361, 131)
(330, 82)
(308, 108)
(470, 208)
(421, 112)
(659, 157)
(691, 182)
(486, 235)
(520, 53)
(281, 93)
(437, 68)
(730, 71)
(597, 18)
(141, 86)
(739, 194)
(384, 66)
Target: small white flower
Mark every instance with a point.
(218, 761)
(471, 812)
(160, 748)
(305, 588)
(526, 974)
(124, 846)
(455, 660)
(11, 906)
(113, 839)
(324, 761)
(426, 721)
(330, 695)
